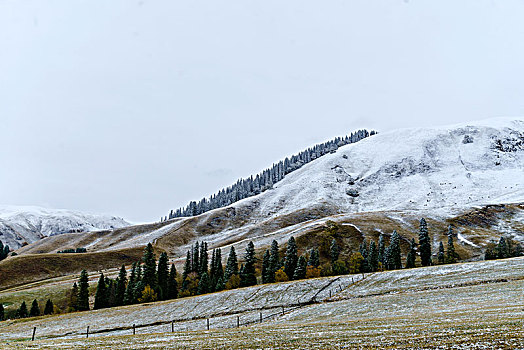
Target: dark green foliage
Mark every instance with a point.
(49, 307)
(129, 295)
(162, 275)
(248, 278)
(266, 271)
(381, 250)
(424, 243)
(440, 255)
(149, 278)
(101, 294)
(216, 270)
(290, 263)
(35, 309)
(172, 285)
(195, 258)
(22, 311)
(314, 258)
(220, 284)
(203, 264)
(231, 265)
(203, 284)
(2, 312)
(451, 256)
(502, 249)
(373, 257)
(274, 261)
(187, 266)
(121, 282)
(410, 259)
(334, 251)
(139, 284)
(83, 292)
(110, 292)
(4, 251)
(395, 258)
(339, 267)
(363, 250)
(300, 270)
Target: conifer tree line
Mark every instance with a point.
(265, 180)
(23, 312)
(4, 251)
(505, 248)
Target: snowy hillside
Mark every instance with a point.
(29, 224)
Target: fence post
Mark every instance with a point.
(260, 317)
(238, 321)
(87, 332)
(208, 324)
(330, 293)
(172, 326)
(34, 331)
(282, 310)
(134, 331)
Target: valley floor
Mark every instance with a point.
(477, 305)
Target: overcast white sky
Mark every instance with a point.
(135, 107)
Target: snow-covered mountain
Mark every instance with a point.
(19, 224)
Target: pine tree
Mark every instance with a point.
(395, 251)
(73, 298)
(163, 272)
(300, 270)
(149, 274)
(203, 265)
(22, 311)
(290, 264)
(219, 270)
(314, 258)
(83, 292)
(424, 243)
(248, 277)
(502, 249)
(266, 271)
(140, 286)
(101, 294)
(187, 266)
(373, 257)
(129, 296)
(363, 250)
(220, 284)
(35, 309)
(49, 307)
(440, 255)
(410, 259)
(2, 312)
(195, 259)
(2, 251)
(381, 250)
(231, 265)
(334, 251)
(450, 254)
(203, 284)
(110, 292)
(172, 285)
(274, 261)
(121, 282)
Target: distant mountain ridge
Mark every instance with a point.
(20, 225)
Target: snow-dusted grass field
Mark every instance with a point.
(472, 305)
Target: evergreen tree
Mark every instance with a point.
(395, 251)
(129, 295)
(195, 259)
(300, 270)
(2, 251)
(424, 243)
(35, 309)
(373, 257)
(440, 255)
(22, 310)
(149, 273)
(381, 250)
(363, 250)
(163, 272)
(111, 292)
(121, 282)
(219, 270)
(450, 254)
(290, 264)
(410, 259)
(203, 284)
(83, 292)
(220, 284)
(314, 258)
(274, 261)
(187, 266)
(140, 286)
(203, 265)
(2, 312)
(49, 307)
(248, 277)
(502, 249)
(231, 265)
(266, 271)
(73, 298)
(388, 258)
(172, 285)
(101, 294)
(334, 251)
